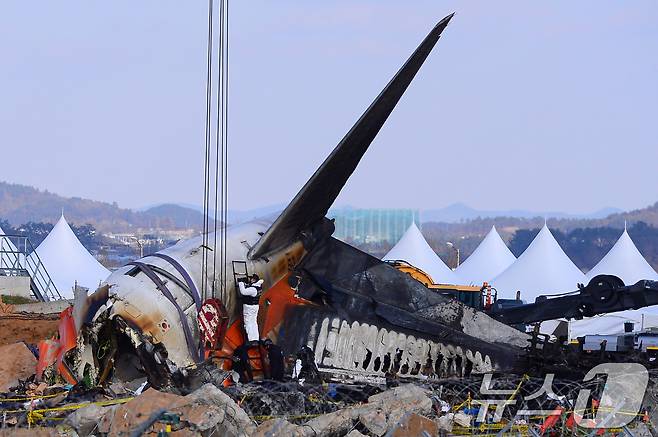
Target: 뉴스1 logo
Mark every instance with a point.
(619, 403)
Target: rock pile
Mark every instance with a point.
(401, 411)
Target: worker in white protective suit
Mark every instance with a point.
(250, 295)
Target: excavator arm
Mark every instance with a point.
(604, 294)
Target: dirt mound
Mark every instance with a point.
(30, 328)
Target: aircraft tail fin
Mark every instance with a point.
(320, 191)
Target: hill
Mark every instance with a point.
(648, 215)
(237, 216)
(173, 216)
(21, 204)
(459, 212)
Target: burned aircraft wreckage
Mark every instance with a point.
(353, 313)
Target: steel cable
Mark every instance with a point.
(206, 164)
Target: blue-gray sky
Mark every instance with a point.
(536, 105)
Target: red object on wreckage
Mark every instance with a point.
(213, 322)
(53, 351)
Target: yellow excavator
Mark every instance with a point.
(479, 297)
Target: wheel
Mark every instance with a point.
(604, 288)
(606, 282)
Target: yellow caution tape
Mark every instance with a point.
(518, 387)
(32, 417)
(32, 398)
(495, 429)
(470, 401)
(466, 402)
(302, 416)
(39, 411)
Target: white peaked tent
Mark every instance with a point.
(67, 261)
(489, 259)
(413, 248)
(624, 261)
(543, 268)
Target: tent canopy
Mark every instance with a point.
(489, 259)
(543, 268)
(413, 248)
(624, 261)
(68, 262)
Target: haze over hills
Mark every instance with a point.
(460, 212)
(454, 213)
(236, 216)
(20, 204)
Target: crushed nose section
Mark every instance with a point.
(138, 357)
(111, 349)
(102, 340)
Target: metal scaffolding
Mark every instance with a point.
(18, 258)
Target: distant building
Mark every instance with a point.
(363, 226)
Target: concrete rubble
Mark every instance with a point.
(380, 414)
(207, 411)
(415, 425)
(405, 410)
(91, 419)
(210, 411)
